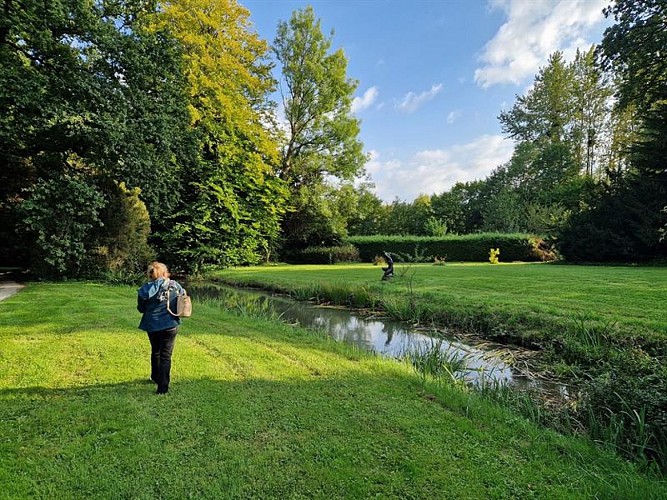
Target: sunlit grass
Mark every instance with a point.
(524, 297)
(604, 328)
(257, 409)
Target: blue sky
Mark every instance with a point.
(435, 74)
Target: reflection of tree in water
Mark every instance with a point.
(339, 324)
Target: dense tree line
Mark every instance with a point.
(140, 128)
(135, 128)
(588, 169)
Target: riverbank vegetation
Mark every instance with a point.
(603, 328)
(257, 409)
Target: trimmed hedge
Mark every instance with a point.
(464, 248)
(324, 255)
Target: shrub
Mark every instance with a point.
(626, 407)
(59, 215)
(466, 248)
(493, 255)
(122, 246)
(623, 226)
(324, 255)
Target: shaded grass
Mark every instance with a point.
(256, 410)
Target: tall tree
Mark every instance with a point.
(568, 104)
(545, 112)
(625, 223)
(448, 207)
(233, 200)
(321, 133)
(634, 48)
(591, 131)
(86, 94)
(368, 214)
(563, 129)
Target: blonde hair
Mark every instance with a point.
(157, 270)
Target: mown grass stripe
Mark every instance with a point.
(367, 428)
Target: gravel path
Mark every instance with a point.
(9, 288)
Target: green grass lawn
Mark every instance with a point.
(256, 410)
(538, 299)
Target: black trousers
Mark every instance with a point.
(162, 345)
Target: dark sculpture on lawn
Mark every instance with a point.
(389, 270)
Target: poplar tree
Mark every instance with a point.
(321, 134)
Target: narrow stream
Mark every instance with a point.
(484, 362)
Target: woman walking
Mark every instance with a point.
(158, 322)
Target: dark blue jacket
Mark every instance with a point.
(152, 302)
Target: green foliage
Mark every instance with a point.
(435, 227)
(317, 218)
(121, 246)
(322, 134)
(450, 208)
(408, 217)
(368, 214)
(59, 225)
(546, 110)
(623, 223)
(324, 255)
(622, 226)
(505, 213)
(466, 248)
(88, 80)
(81, 229)
(74, 81)
(562, 125)
(625, 406)
(166, 97)
(633, 47)
(546, 219)
(231, 200)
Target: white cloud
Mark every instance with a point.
(365, 101)
(411, 102)
(435, 171)
(453, 116)
(533, 31)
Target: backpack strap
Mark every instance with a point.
(169, 299)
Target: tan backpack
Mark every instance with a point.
(183, 305)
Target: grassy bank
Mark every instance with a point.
(604, 326)
(531, 301)
(257, 409)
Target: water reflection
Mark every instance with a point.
(383, 336)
